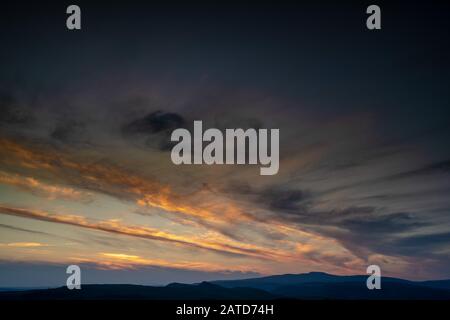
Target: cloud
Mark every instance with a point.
(246, 220)
(382, 224)
(363, 230)
(40, 233)
(12, 113)
(104, 177)
(155, 129)
(273, 197)
(279, 198)
(436, 168)
(440, 167)
(126, 261)
(23, 244)
(5, 226)
(425, 243)
(43, 189)
(154, 122)
(219, 246)
(70, 132)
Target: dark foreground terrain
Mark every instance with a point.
(309, 286)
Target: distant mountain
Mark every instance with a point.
(308, 286)
(174, 291)
(359, 291)
(438, 284)
(2, 289)
(320, 285)
(271, 283)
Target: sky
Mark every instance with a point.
(85, 121)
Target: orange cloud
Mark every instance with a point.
(40, 188)
(23, 244)
(112, 180)
(126, 261)
(219, 244)
(205, 208)
(208, 210)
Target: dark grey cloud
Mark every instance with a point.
(70, 132)
(12, 113)
(358, 221)
(429, 249)
(382, 224)
(361, 229)
(318, 257)
(274, 197)
(371, 233)
(434, 168)
(154, 129)
(424, 241)
(154, 122)
(9, 227)
(5, 226)
(284, 199)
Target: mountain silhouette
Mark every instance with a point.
(307, 286)
(173, 291)
(320, 285)
(272, 282)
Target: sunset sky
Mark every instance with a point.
(86, 116)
